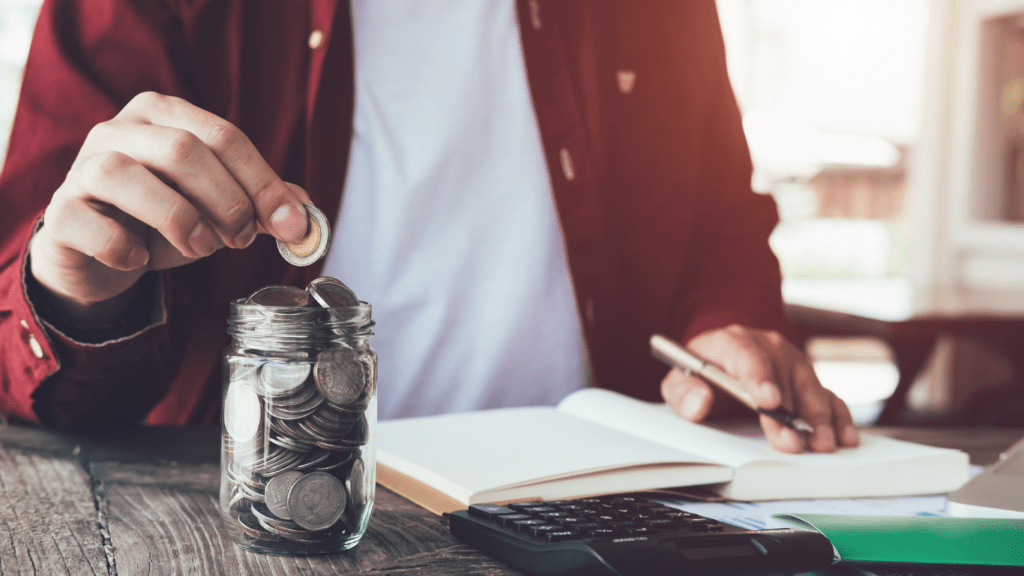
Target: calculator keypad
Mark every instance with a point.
(604, 517)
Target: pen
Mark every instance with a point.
(675, 355)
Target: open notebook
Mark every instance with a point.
(597, 442)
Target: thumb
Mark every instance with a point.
(689, 396)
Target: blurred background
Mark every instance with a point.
(890, 133)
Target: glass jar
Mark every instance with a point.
(300, 409)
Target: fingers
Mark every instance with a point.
(782, 438)
(689, 396)
(774, 374)
(813, 403)
(846, 430)
(278, 209)
(122, 182)
(95, 235)
(180, 158)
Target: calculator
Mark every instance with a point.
(632, 535)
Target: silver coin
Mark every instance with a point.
(239, 372)
(358, 494)
(282, 378)
(241, 412)
(304, 396)
(317, 500)
(339, 375)
(277, 296)
(313, 245)
(281, 460)
(252, 528)
(331, 293)
(277, 493)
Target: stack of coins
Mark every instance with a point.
(296, 421)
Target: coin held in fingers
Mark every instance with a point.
(313, 245)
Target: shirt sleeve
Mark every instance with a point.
(87, 60)
(737, 276)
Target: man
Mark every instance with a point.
(157, 140)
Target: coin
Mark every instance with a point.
(277, 493)
(339, 375)
(241, 412)
(356, 487)
(313, 245)
(316, 501)
(332, 293)
(279, 296)
(282, 378)
(252, 528)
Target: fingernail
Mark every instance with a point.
(202, 241)
(289, 222)
(693, 403)
(246, 237)
(137, 258)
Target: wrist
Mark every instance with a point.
(94, 322)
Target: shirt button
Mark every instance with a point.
(535, 14)
(316, 39)
(567, 168)
(33, 344)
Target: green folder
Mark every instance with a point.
(916, 539)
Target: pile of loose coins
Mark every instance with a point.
(294, 476)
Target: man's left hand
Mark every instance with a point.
(776, 374)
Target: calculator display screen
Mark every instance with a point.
(708, 552)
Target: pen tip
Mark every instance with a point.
(802, 426)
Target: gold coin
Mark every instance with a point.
(314, 244)
(308, 244)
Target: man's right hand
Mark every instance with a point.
(160, 185)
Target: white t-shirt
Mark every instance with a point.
(447, 226)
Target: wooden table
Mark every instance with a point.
(144, 501)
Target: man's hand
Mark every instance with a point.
(160, 185)
(775, 373)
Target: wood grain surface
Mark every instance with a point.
(48, 517)
(145, 502)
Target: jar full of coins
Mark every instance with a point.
(300, 408)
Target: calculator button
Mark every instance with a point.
(677, 515)
(623, 524)
(537, 509)
(561, 535)
(640, 531)
(552, 516)
(715, 527)
(526, 524)
(541, 530)
(662, 524)
(605, 519)
(585, 527)
(570, 521)
(557, 503)
(699, 527)
(489, 511)
(509, 519)
(605, 532)
(521, 505)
